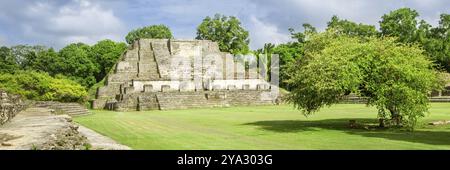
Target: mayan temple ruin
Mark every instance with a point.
(160, 74)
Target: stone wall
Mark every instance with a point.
(193, 99)
(435, 96)
(10, 105)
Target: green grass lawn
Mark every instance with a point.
(265, 127)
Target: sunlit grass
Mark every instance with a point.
(265, 127)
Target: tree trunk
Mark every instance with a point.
(396, 117)
(381, 120)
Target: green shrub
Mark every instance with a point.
(41, 86)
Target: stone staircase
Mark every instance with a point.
(64, 108)
(168, 101)
(148, 70)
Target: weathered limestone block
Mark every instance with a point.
(148, 88)
(239, 83)
(127, 67)
(132, 55)
(120, 77)
(217, 87)
(165, 88)
(246, 87)
(220, 96)
(108, 91)
(262, 87)
(162, 57)
(128, 90)
(181, 69)
(147, 68)
(209, 46)
(229, 67)
(187, 86)
(231, 87)
(186, 48)
(239, 70)
(147, 102)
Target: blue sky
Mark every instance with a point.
(57, 23)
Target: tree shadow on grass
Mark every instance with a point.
(418, 136)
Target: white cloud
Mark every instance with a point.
(56, 23)
(76, 21)
(88, 23)
(263, 32)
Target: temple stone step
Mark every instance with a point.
(66, 108)
(176, 101)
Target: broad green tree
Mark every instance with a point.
(8, 63)
(401, 23)
(48, 61)
(77, 65)
(105, 54)
(288, 53)
(301, 36)
(396, 78)
(25, 55)
(152, 31)
(227, 31)
(41, 86)
(351, 28)
(438, 43)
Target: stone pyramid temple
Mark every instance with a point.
(161, 74)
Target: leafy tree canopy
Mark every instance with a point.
(77, 65)
(41, 86)
(401, 23)
(351, 28)
(396, 78)
(152, 31)
(8, 62)
(105, 54)
(226, 31)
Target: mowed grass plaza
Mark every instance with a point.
(267, 127)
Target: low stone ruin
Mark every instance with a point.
(10, 105)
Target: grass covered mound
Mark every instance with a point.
(41, 86)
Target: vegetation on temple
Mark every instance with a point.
(152, 31)
(225, 30)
